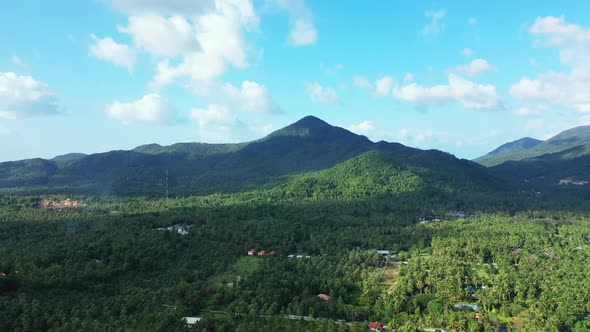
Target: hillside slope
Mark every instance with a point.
(505, 151)
(563, 141)
(307, 145)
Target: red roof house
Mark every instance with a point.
(376, 326)
(251, 252)
(324, 297)
(262, 253)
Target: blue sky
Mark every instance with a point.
(464, 77)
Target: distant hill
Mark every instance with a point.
(69, 156)
(553, 169)
(505, 151)
(307, 145)
(564, 141)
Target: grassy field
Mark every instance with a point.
(243, 267)
(390, 275)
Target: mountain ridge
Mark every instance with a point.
(307, 145)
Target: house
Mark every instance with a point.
(461, 214)
(383, 252)
(324, 297)
(463, 306)
(182, 230)
(376, 326)
(272, 252)
(299, 256)
(2, 274)
(191, 321)
(262, 253)
(251, 252)
(291, 256)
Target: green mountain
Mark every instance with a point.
(307, 145)
(562, 168)
(390, 171)
(505, 151)
(69, 156)
(514, 151)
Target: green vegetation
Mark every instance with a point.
(518, 255)
(528, 148)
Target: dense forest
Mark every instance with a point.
(107, 266)
(311, 228)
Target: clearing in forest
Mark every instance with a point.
(390, 275)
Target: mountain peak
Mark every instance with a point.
(311, 126)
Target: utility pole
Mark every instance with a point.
(166, 184)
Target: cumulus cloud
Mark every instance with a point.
(216, 123)
(303, 31)
(475, 68)
(364, 128)
(160, 36)
(362, 82)
(109, 50)
(150, 109)
(320, 94)
(568, 90)
(384, 86)
(24, 96)
(250, 97)
(413, 137)
(469, 94)
(220, 34)
(436, 24)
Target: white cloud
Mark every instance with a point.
(362, 82)
(24, 96)
(109, 50)
(435, 26)
(18, 61)
(164, 6)
(332, 70)
(216, 123)
(303, 31)
(409, 77)
(323, 95)
(160, 36)
(529, 110)
(475, 68)
(566, 90)
(150, 109)
(384, 86)
(250, 97)
(467, 52)
(472, 21)
(469, 94)
(220, 34)
(413, 137)
(364, 128)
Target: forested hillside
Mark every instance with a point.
(308, 145)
